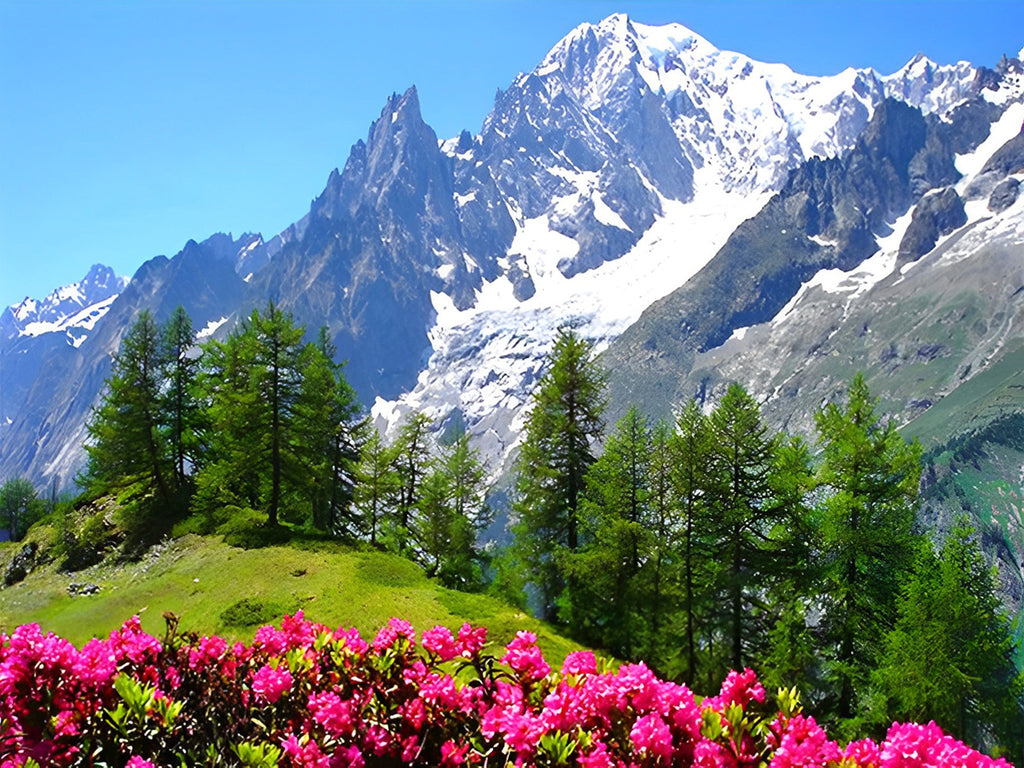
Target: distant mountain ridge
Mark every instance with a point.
(601, 182)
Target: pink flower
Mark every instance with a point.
(739, 688)
(270, 684)
(336, 716)
(597, 757)
(652, 738)
(208, 652)
(138, 762)
(864, 752)
(352, 641)
(580, 663)
(395, 629)
(803, 744)
(471, 641)
(439, 641)
(525, 658)
(452, 754)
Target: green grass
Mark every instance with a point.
(217, 588)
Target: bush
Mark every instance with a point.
(250, 612)
(304, 695)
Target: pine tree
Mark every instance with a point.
(691, 456)
(411, 461)
(450, 513)
(950, 657)
(179, 404)
(125, 430)
(742, 456)
(255, 389)
(868, 480)
(327, 436)
(604, 606)
(376, 485)
(660, 597)
(564, 422)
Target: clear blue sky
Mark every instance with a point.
(127, 128)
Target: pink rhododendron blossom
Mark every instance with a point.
(271, 684)
(525, 658)
(580, 663)
(596, 757)
(440, 642)
(652, 738)
(471, 641)
(138, 762)
(208, 652)
(395, 629)
(335, 715)
(801, 743)
(453, 754)
(351, 704)
(739, 688)
(352, 641)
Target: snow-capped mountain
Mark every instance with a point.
(72, 310)
(624, 161)
(602, 181)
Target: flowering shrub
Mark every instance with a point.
(304, 695)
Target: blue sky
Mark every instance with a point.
(127, 128)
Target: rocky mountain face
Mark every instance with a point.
(662, 193)
(901, 259)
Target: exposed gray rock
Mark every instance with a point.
(936, 215)
(79, 590)
(21, 565)
(1004, 195)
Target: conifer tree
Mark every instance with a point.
(950, 656)
(125, 430)
(565, 421)
(255, 380)
(604, 606)
(691, 456)
(411, 458)
(328, 437)
(868, 481)
(376, 485)
(179, 403)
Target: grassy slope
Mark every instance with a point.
(199, 577)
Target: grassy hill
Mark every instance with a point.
(217, 588)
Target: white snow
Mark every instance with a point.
(1002, 131)
(210, 328)
(486, 358)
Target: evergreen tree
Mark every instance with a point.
(743, 456)
(19, 507)
(450, 513)
(564, 422)
(950, 656)
(255, 380)
(376, 485)
(868, 480)
(604, 606)
(660, 596)
(411, 460)
(179, 404)
(125, 430)
(328, 437)
(691, 456)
